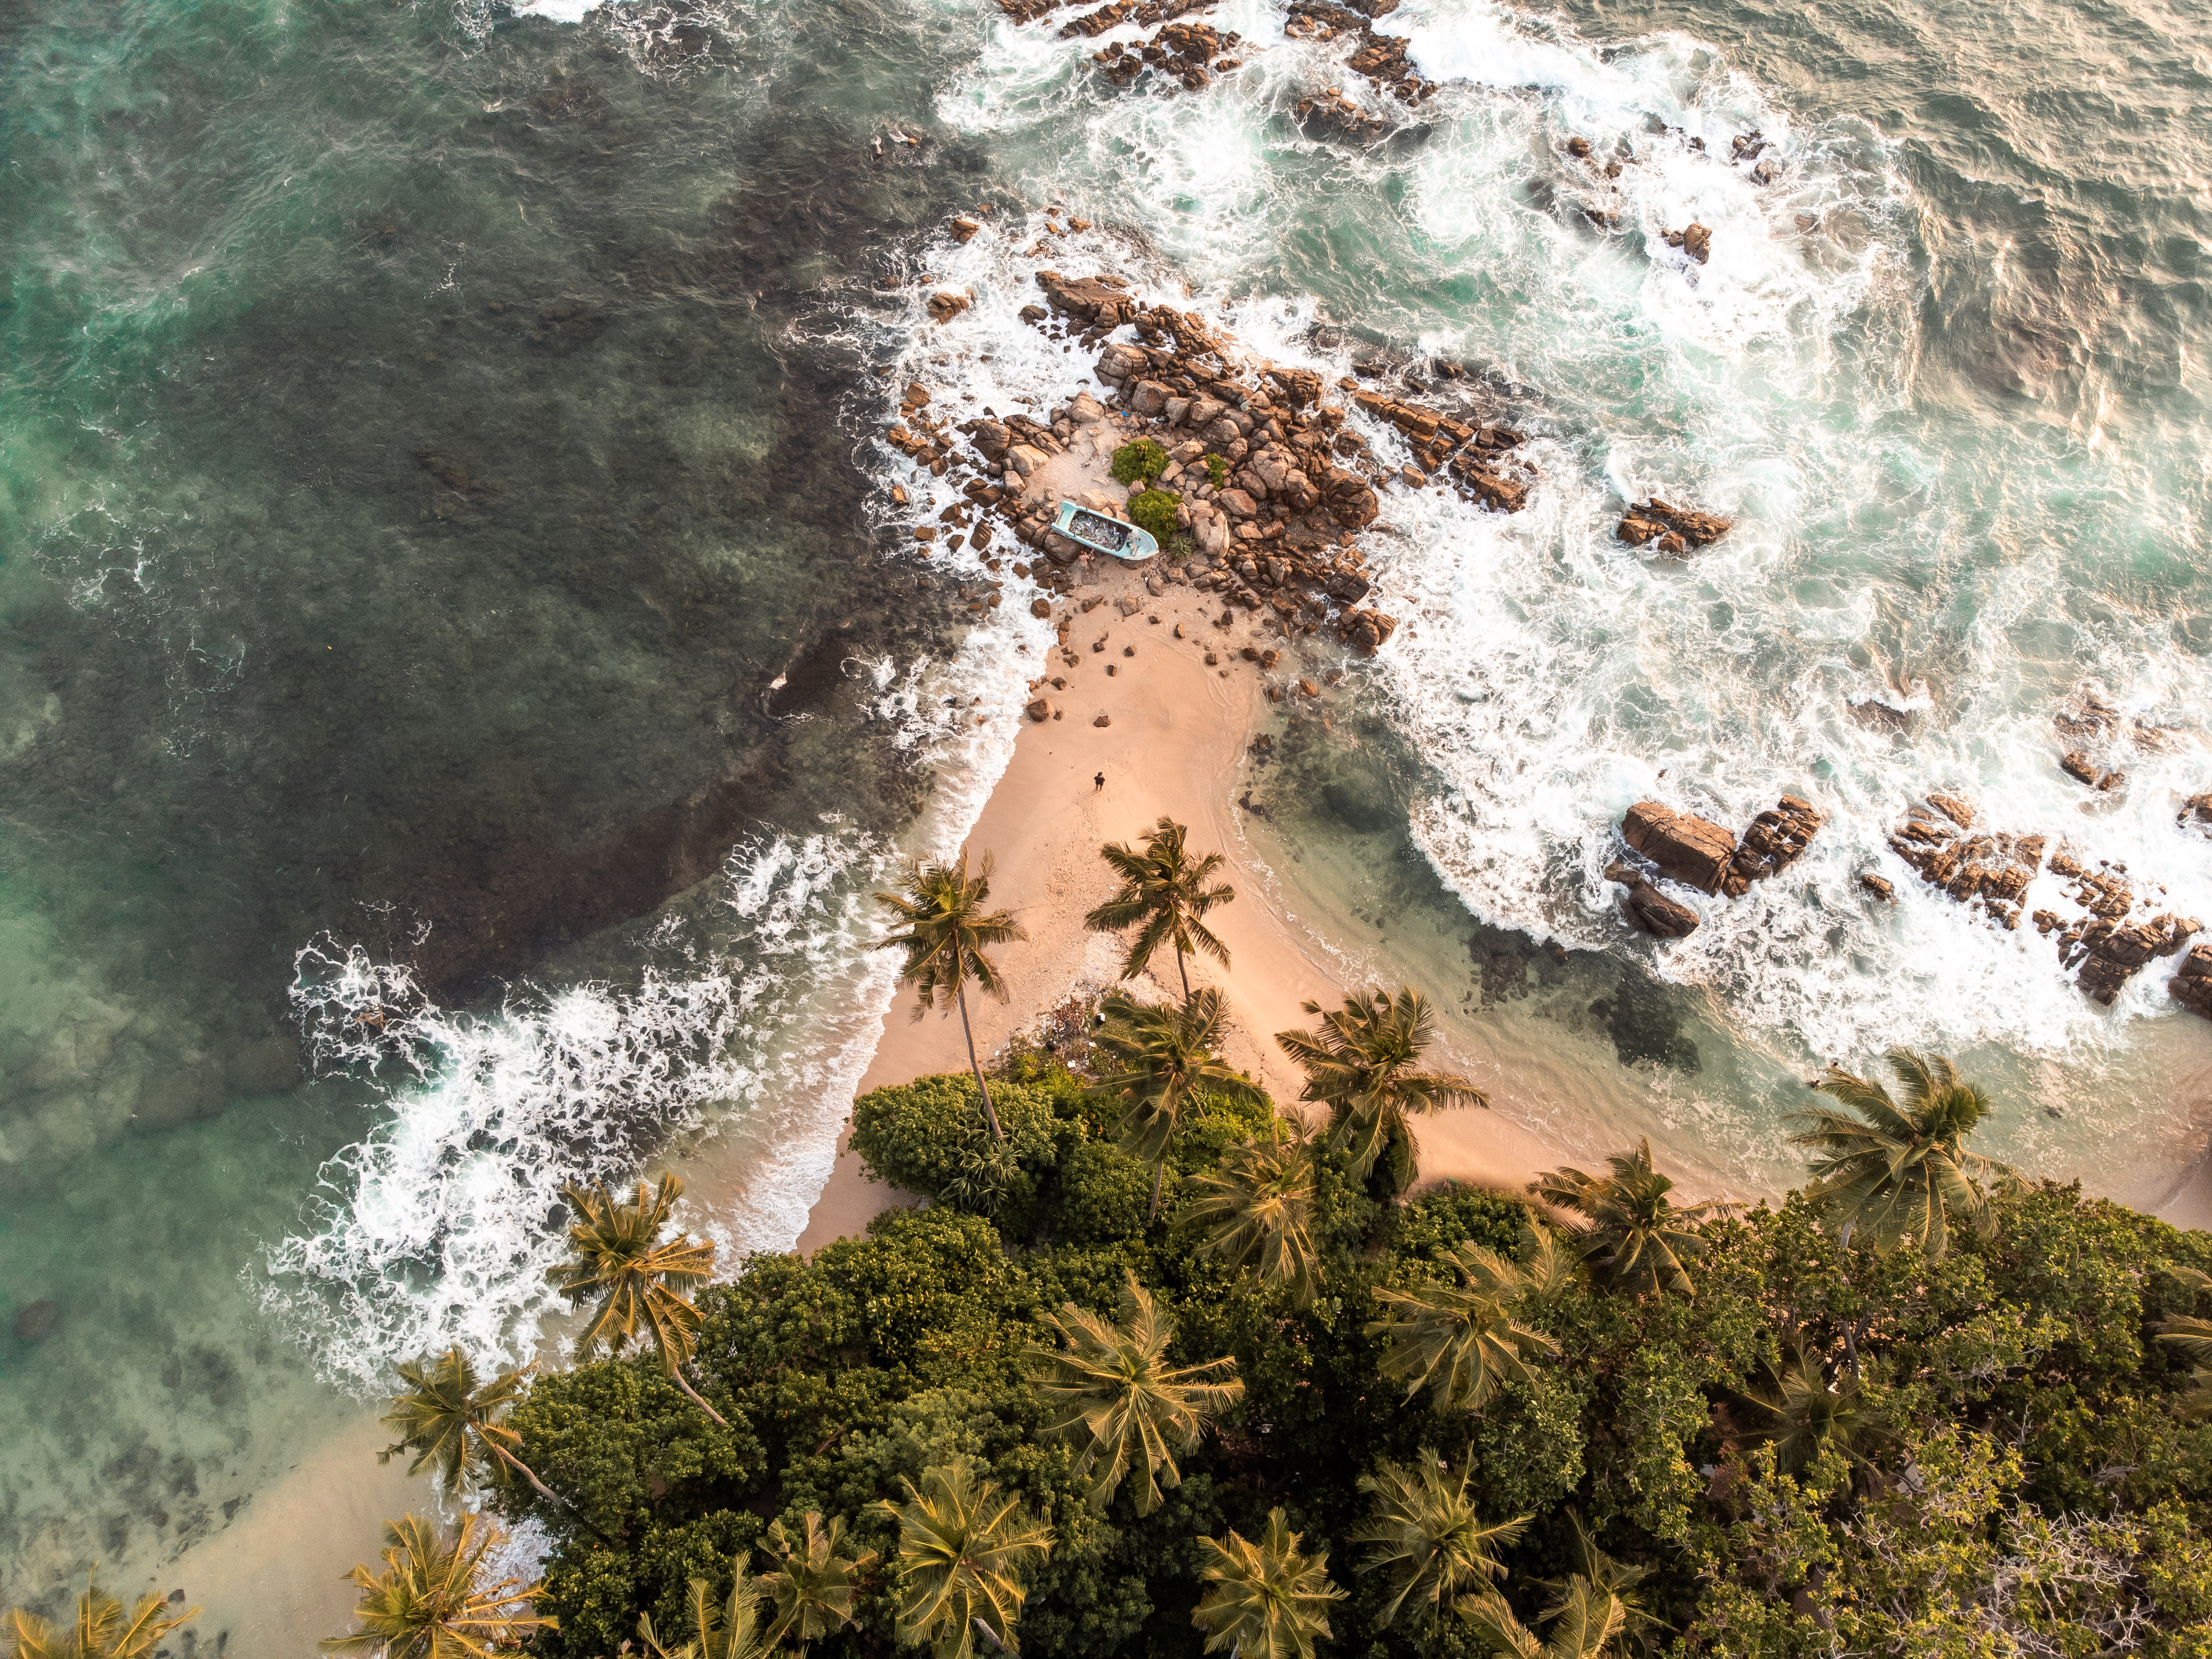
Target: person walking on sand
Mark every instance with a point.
(1099, 783)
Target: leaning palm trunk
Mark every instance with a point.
(990, 1116)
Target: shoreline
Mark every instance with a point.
(1177, 730)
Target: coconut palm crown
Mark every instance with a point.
(102, 1629)
(1459, 1342)
(451, 1420)
(1585, 1619)
(964, 1550)
(431, 1602)
(1167, 891)
(1118, 1401)
(1893, 1172)
(1631, 1231)
(2193, 1336)
(1363, 1062)
(619, 1261)
(728, 1628)
(945, 931)
(1264, 1601)
(1156, 1057)
(812, 1585)
(1426, 1533)
(1255, 1210)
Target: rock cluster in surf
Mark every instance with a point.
(1295, 482)
(1704, 855)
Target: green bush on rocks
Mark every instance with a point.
(1155, 511)
(1140, 458)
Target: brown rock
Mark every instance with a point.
(1039, 708)
(1040, 608)
(1656, 522)
(925, 533)
(2191, 987)
(945, 306)
(1954, 808)
(916, 394)
(1698, 243)
(1307, 689)
(1694, 851)
(2077, 765)
(1651, 910)
(1103, 720)
(1878, 886)
(1773, 842)
(965, 230)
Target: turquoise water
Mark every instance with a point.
(429, 435)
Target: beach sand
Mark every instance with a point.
(1178, 730)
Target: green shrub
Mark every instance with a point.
(1140, 458)
(1217, 470)
(1154, 510)
(929, 1137)
(1102, 1195)
(1181, 546)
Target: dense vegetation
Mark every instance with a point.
(1162, 1369)
(1809, 1447)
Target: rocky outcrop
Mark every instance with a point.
(1099, 302)
(1675, 531)
(1695, 241)
(2191, 986)
(2110, 942)
(2076, 763)
(1773, 842)
(1182, 53)
(2195, 811)
(1649, 910)
(1691, 850)
(1330, 111)
(1988, 870)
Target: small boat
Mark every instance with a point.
(1101, 534)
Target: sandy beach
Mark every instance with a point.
(1177, 730)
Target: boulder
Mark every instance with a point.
(1649, 910)
(1024, 458)
(2076, 765)
(1098, 301)
(1350, 501)
(1103, 720)
(1698, 243)
(1691, 850)
(1211, 531)
(944, 304)
(990, 439)
(1085, 409)
(964, 230)
(2191, 986)
(1119, 363)
(1040, 609)
(1878, 886)
(1675, 530)
(1773, 842)
(1300, 386)
(1148, 398)
(1039, 708)
(1203, 412)
(1237, 503)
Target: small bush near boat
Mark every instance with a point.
(1140, 458)
(1155, 511)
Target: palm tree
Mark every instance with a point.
(1549, 1270)
(1584, 1619)
(431, 1602)
(1264, 1601)
(1896, 1172)
(2193, 1336)
(1806, 1413)
(946, 929)
(1160, 1055)
(449, 1421)
(964, 1551)
(1362, 1063)
(1631, 1228)
(813, 1587)
(1119, 1401)
(1640, 1629)
(620, 1261)
(729, 1630)
(1165, 889)
(1428, 1535)
(1457, 1341)
(102, 1629)
(1256, 1210)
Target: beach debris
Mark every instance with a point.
(1649, 910)
(1675, 530)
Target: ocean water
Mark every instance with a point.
(455, 696)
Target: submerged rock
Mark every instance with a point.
(1669, 529)
(1651, 910)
